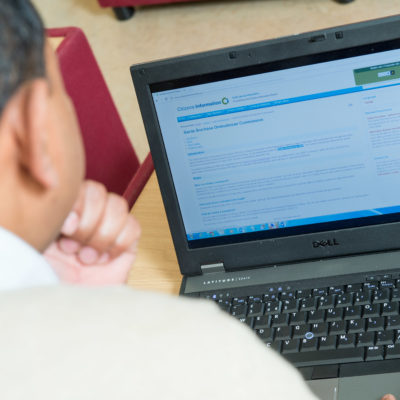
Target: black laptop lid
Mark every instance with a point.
(279, 151)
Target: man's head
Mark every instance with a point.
(21, 46)
(41, 153)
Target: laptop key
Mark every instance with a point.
(298, 318)
(270, 297)
(238, 311)
(356, 326)
(273, 307)
(337, 356)
(366, 339)
(309, 344)
(308, 304)
(373, 285)
(280, 320)
(397, 336)
(391, 308)
(327, 342)
(371, 310)
(375, 324)
(320, 292)
(354, 287)
(352, 312)
(336, 290)
(384, 337)
(392, 351)
(334, 314)
(255, 309)
(247, 321)
(266, 334)
(374, 353)
(303, 293)
(299, 331)
(395, 294)
(287, 295)
(255, 299)
(208, 296)
(316, 316)
(381, 296)
(388, 283)
(393, 322)
(239, 301)
(337, 327)
(326, 302)
(262, 322)
(283, 332)
(290, 346)
(320, 329)
(290, 305)
(344, 300)
(277, 346)
(362, 298)
(346, 341)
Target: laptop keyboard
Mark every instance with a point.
(325, 325)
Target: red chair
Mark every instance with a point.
(124, 8)
(110, 157)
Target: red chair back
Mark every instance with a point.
(110, 157)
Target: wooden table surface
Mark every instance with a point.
(56, 41)
(156, 267)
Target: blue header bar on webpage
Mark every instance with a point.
(281, 102)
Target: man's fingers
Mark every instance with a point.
(127, 239)
(113, 221)
(90, 208)
(68, 246)
(71, 224)
(99, 227)
(79, 202)
(114, 273)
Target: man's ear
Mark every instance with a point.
(33, 133)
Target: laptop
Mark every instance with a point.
(279, 168)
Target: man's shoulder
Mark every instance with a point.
(113, 310)
(112, 302)
(121, 342)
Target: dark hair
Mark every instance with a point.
(21, 46)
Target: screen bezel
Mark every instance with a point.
(257, 249)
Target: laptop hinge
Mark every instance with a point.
(212, 268)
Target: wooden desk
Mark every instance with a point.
(156, 267)
(55, 42)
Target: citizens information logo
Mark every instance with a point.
(225, 101)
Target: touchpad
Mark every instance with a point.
(369, 387)
(325, 389)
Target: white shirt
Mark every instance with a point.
(79, 343)
(115, 343)
(22, 266)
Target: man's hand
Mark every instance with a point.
(98, 240)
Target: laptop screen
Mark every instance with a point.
(305, 145)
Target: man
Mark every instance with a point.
(66, 342)
(42, 169)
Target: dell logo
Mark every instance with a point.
(324, 243)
